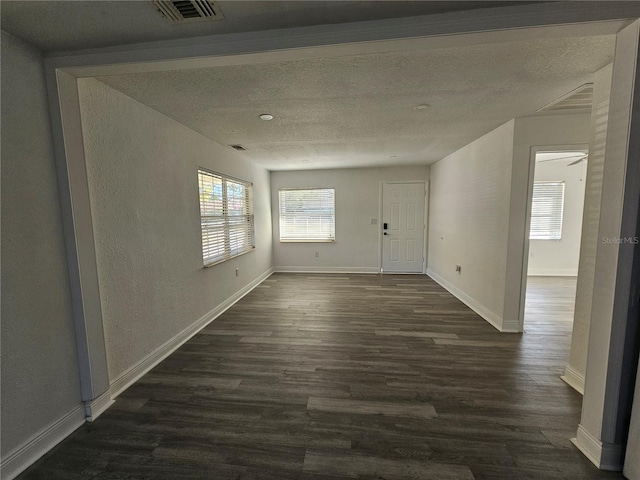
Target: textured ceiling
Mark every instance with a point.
(360, 110)
(329, 112)
(71, 25)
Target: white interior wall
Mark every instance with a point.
(40, 376)
(601, 434)
(142, 173)
(576, 368)
(477, 214)
(4, 225)
(529, 133)
(356, 248)
(560, 257)
(469, 221)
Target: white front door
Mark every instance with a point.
(403, 227)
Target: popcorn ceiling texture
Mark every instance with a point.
(357, 111)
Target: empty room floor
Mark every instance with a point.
(550, 306)
(341, 376)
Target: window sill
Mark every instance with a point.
(218, 262)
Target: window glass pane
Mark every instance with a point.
(210, 195)
(226, 217)
(236, 198)
(546, 211)
(307, 214)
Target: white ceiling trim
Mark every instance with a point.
(380, 36)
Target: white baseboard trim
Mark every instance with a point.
(558, 272)
(510, 326)
(473, 304)
(24, 456)
(308, 269)
(133, 374)
(590, 446)
(96, 407)
(574, 379)
(605, 456)
(29, 452)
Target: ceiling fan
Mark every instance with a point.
(578, 159)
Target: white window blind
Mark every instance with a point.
(307, 215)
(546, 211)
(226, 217)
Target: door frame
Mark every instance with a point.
(424, 220)
(535, 149)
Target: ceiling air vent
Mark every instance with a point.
(179, 11)
(238, 147)
(579, 99)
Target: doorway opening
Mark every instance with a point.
(555, 231)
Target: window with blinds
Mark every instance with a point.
(307, 215)
(546, 211)
(226, 217)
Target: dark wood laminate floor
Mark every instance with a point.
(550, 306)
(334, 376)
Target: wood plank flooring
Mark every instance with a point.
(550, 306)
(341, 377)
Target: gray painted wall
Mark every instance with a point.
(357, 201)
(142, 173)
(40, 377)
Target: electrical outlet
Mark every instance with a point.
(317, 254)
(458, 269)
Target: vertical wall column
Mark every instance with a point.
(610, 370)
(78, 229)
(574, 372)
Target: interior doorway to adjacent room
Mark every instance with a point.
(554, 242)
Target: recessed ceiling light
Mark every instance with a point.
(422, 106)
(266, 116)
